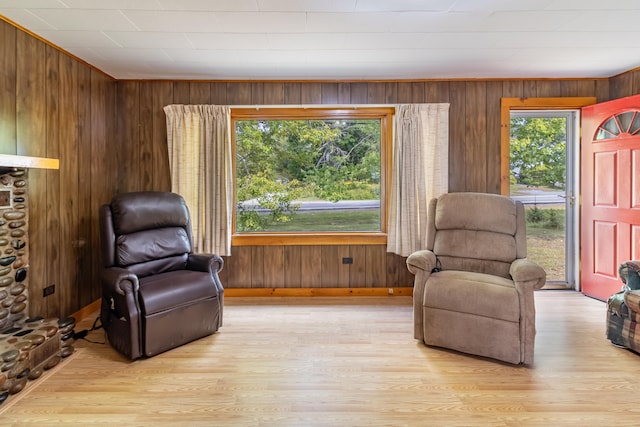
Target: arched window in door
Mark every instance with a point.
(626, 123)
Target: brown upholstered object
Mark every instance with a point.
(157, 294)
(481, 301)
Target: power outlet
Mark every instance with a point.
(49, 290)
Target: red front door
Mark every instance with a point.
(610, 216)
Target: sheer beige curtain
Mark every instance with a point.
(199, 143)
(420, 172)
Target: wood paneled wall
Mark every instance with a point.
(110, 137)
(474, 158)
(625, 84)
(52, 105)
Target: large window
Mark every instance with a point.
(310, 174)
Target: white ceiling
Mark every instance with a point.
(340, 39)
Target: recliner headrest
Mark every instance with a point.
(138, 211)
(476, 211)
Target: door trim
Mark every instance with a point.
(507, 105)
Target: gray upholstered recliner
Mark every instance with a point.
(473, 289)
(156, 294)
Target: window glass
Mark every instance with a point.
(314, 174)
(614, 126)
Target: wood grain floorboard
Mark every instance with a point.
(343, 362)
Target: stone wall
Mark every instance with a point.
(28, 345)
(14, 250)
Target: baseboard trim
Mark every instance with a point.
(317, 292)
(87, 310)
(401, 291)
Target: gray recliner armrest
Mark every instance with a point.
(421, 261)
(525, 271)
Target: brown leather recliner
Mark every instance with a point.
(156, 294)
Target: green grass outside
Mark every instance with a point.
(546, 242)
(334, 220)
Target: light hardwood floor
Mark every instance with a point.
(343, 362)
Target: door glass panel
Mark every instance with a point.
(542, 178)
(603, 134)
(635, 126)
(625, 120)
(612, 127)
(619, 124)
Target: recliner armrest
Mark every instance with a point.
(420, 263)
(205, 262)
(119, 280)
(423, 260)
(524, 271)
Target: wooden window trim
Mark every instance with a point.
(509, 104)
(385, 114)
